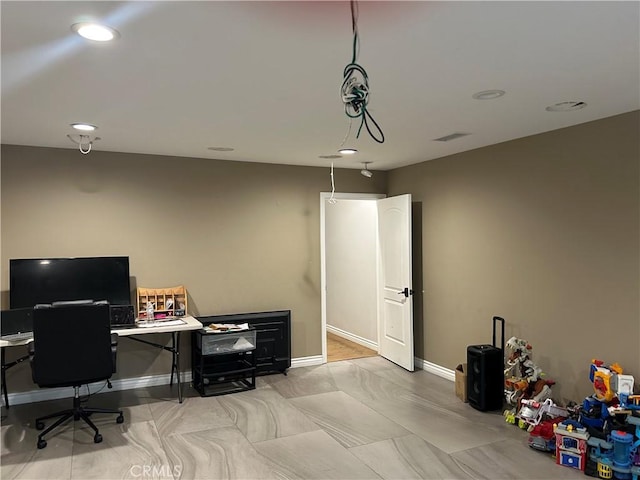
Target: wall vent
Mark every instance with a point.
(451, 136)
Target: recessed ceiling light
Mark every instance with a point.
(332, 156)
(95, 31)
(85, 127)
(221, 149)
(566, 107)
(488, 94)
(348, 151)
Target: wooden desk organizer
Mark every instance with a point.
(166, 301)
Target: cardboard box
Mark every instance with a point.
(461, 382)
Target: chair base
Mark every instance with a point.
(77, 412)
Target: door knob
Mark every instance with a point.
(406, 292)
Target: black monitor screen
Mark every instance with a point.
(47, 280)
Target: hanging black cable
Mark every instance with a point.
(355, 86)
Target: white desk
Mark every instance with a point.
(132, 333)
(190, 323)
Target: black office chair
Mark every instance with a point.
(72, 346)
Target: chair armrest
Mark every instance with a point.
(31, 351)
(114, 349)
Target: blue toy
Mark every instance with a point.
(635, 448)
(593, 415)
(599, 458)
(621, 454)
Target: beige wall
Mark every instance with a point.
(241, 237)
(543, 231)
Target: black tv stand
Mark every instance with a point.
(273, 337)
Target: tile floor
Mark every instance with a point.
(364, 418)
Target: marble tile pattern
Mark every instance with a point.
(355, 419)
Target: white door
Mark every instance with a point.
(396, 308)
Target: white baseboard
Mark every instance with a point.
(353, 338)
(306, 361)
(43, 394)
(436, 369)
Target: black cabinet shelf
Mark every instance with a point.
(225, 368)
(273, 337)
(217, 368)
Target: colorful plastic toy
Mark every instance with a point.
(542, 437)
(571, 444)
(523, 378)
(622, 442)
(599, 458)
(532, 412)
(635, 448)
(601, 377)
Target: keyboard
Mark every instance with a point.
(16, 337)
(160, 323)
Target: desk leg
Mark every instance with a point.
(6, 366)
(175, 363)
(175, 357)
(4, 379)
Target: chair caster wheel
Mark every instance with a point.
(40, 426)
(97, 438)
(42, 444)
(120, 419)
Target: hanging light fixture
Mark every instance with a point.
(84, 142)
(354, 90)
(365, 171)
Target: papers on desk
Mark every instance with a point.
(159, 323)
(225, 327)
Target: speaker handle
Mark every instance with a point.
(495, 321)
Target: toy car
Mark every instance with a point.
(542, 437)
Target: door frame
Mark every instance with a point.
(324, 196)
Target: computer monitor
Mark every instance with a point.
(15, 322)
(35, 281)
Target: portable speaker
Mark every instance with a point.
(485, 373)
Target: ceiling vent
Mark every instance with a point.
(450, 137)
(221, 149)
(566, 107)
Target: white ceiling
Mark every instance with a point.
(264, 77)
